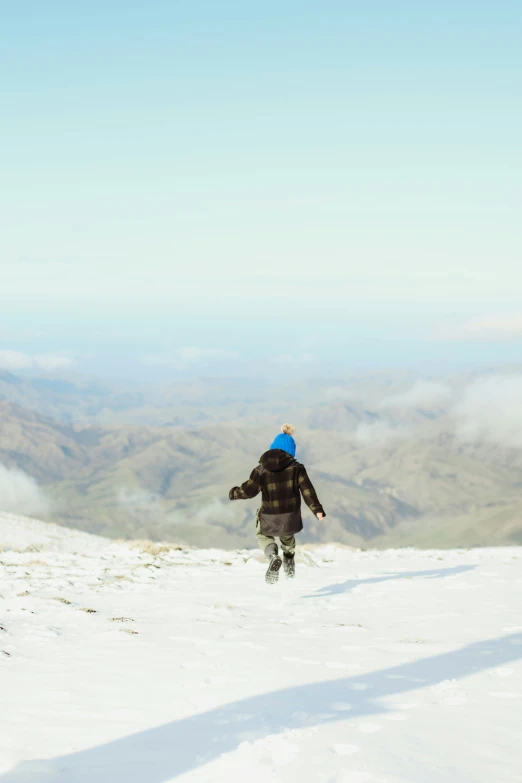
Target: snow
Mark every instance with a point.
(17, 532)
(118, 664)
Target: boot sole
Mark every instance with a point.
(272, 574)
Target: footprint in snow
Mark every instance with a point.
(121, 619)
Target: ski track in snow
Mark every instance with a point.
(120, 665)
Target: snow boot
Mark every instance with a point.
(289, 566)
(272, 574)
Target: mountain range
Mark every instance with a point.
(384, 452)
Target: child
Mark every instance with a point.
(281, 480)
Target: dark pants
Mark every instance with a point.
(287, 542)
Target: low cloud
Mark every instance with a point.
(137, 499)
(490, 410)
(53, 361)
(423, 394)
(15, 360)
(20, 493)
(217, 513)
(336, 393)
(379, 433)
(494, 328)
(187, 355)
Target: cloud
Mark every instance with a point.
(20, 493)
(336, 393)
(217, 512)
(494, 328)
(12, 360)
(186, 355)
(144, 503)
(490, 410)
(52, 361)
(136, 499)
(379, 433)
(15, 360)
(423, 394)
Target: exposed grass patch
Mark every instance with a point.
(154, 547)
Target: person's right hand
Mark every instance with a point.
(320, 515)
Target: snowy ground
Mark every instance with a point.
(117, 665)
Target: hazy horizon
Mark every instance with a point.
(194, 187)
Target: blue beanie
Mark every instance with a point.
(284, 440)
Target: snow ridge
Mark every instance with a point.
(154, 663)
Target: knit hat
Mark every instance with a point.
(284, 440)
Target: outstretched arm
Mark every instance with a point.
(249, 489)
(309, 494)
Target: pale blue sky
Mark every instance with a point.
(175, 174)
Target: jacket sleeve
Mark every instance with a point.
(249, 489)
(308, 492)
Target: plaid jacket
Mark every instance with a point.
(281, 480)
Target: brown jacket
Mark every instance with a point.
(281, 480)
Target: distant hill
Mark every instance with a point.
(172, 482)
(72, 400)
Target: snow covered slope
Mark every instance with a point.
(17, 532)
(121, 665)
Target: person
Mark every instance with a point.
(282, 480)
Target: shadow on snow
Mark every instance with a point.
(345, 587)
(158, 754)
